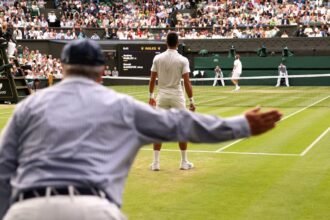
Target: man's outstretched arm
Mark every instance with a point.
(180, 125)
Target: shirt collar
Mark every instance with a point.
(172, 50)
(79, 79)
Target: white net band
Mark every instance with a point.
(228, 78)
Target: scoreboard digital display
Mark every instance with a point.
(136, 59)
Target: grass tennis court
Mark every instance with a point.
(284, 174)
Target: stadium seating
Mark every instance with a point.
(143, 20)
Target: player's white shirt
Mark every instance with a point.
(237, 67)
(170, 66)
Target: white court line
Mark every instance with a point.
(296, 112)
(288, 116)
(229, 145)
(227, 152)
(260, 153)
(315, 142)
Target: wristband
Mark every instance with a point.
(191, 100)
(151, 95)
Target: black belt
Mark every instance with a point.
(55, 191)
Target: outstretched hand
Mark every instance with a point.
(261, 122)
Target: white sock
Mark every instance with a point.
(156, 156)
(237, 86)
(184, 156)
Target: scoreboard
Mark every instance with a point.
(136, 59)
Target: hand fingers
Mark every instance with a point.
(270, 119)
(270, 112)
(271, 115)
(261, 122)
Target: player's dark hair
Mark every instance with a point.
(172, 39)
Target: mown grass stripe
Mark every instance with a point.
(290, 115)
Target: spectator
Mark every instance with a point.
(52, 19)
(107, 71)
(69, 35)
(17, 34)
(115, 72)
(95, 36)
(284, 34)
(113, 35)
(300, 32)
(317, 33)
(308, 31)
(60, 35)
(81, 34)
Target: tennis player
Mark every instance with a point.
(282, 73)
(218, 74)
(236, 73)
(170, 67)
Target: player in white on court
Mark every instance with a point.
(170, 67)
(282, 73)
(218, 74)
(237, 71)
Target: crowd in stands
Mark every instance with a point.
(152, 19)
(36, 64)
(192, 19)
(269, 13)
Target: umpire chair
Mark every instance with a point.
(12, 88)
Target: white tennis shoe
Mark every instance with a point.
(186, 165)
(236, 89)
(155, 166)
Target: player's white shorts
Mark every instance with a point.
(236, 75)
(168, 101)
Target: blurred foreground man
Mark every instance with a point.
(66, 151)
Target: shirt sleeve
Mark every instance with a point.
(186, 68)
(154, 65)
(8, 161)
(158, 125)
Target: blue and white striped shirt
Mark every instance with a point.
(81, 133)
